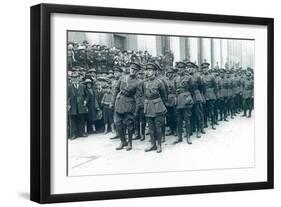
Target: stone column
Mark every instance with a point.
(216, 53)
(175, 48)
(193, 49)
(206, 50)
(184, 49)
(93, 38)
(147, 42)
(224, 52)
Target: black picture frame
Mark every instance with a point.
(41, 99)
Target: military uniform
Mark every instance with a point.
(248, 92)
(217, 106)
(230, 95)
(171, 103)
(210, 94)
(236, 92)
(140, 116)
(184, 103)
(154, 108)
(197, 109)
(125, 106)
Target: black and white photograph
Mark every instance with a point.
(133, 103)
(144, 103)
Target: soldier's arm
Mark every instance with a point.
(190, 83)
(116, 91)
(214, 83)
(162, 92)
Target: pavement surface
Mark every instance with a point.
(231, 145)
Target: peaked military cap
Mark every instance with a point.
(136, 66)
(180, 64)
(190, 64)
(170, 70)
(118, 69)
(205, 65)
(153, 66)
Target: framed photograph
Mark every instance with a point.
(133, 103)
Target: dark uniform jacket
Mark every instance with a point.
(124, 95)
(210, 87)
(219, 87)
(248, 88)
(76, 98)
(171, 100)
(196, 85)
(183, 89)
(236, 85)
(155, 96)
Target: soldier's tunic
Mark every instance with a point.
(171, 105)
(164, 80)
(220, 96)
(198, 116)
(248, 92)
(217, 106)
(125, 105)
(184, 103)
(226, 84)
(236, 91)
(140, 116)
(210, 95)
(154, 108)
(230, 100)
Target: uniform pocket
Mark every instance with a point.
(159, 106)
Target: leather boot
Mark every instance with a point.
(178, 140)
(122, 145)
(130, 136)
(188, 140)
(129, 146)
(142, 138)
(198, 135)
(151, 148)
(250, 113)
(159, 148)
(203, 131)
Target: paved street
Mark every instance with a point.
(231, 145)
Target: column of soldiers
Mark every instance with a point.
(168, 101)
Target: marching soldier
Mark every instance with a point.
(140, 116)
(183, 83)
(161, 76)
(248, 92)
(125, 105)
(225, 94)
(230, 94)
(236, 91)
(171, 102)
(117, 71)
(154, 108)
(210, 93)
(218, 95)
(198, 117)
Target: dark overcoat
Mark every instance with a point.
(76, 99)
